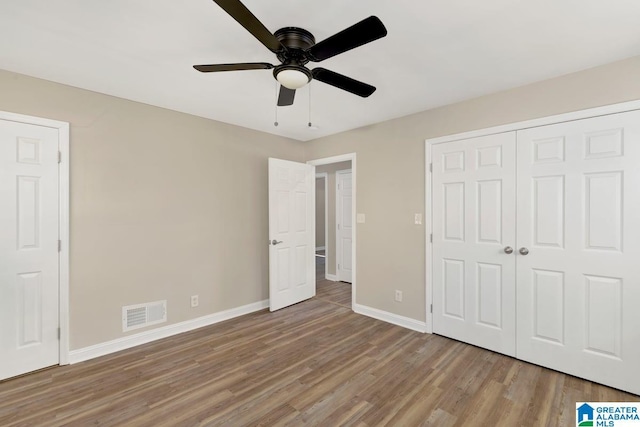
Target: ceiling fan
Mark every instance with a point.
(295, 47)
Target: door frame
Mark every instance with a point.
(338, 172)
(549, 120)
(325, 177)
(63, 221)
(336, 159)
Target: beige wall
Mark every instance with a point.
(164, 205)
(391, 171)
(331, 210)
(320, 214)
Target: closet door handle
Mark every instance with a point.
(508, 250)
(524, 251)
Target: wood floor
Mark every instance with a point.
(315, 363)
(334, 292)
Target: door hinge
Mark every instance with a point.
(338, 226)
(430, 167)
(59, 333)
(431, 308)
(59, 156)
(338, 186)
(431, 237)
(59, 245)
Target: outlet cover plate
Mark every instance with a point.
(398, 296)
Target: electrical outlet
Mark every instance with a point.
(194, 301)
(398, 296)
(417, 219)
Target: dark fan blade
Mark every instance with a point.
(286, 96)
(211, 68)
(363, 32)
(343, 82)
(240, 13)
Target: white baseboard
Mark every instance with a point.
(395, 319)
(130, 341)
(332, 277)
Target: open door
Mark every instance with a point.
(291, 233)
(29, 251)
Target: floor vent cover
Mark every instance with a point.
(141, 315)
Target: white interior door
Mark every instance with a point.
(344, 232)
(29, 287)
(578, 216)
(473, 190)
(291, 233)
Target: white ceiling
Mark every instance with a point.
(437, 52)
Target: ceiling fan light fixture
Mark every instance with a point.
(293, 77)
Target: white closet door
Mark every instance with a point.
(578, 298)
(473, 223)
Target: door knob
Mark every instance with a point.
(508, 250)
(276, 242)
(523, 251)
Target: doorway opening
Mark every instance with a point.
(335, 229)
(322, 230)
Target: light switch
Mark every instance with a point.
(417, 218)
(360, 218)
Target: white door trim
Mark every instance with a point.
(63, 198)
(325, 176)
(558, 118)
(345, 158)
(428, 228)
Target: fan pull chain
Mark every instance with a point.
(275, 123)
(309, 105)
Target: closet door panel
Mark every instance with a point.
(578, 294)
(474, 220)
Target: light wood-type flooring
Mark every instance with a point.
(334, 292)
(315, 363)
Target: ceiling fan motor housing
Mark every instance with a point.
(297, 41)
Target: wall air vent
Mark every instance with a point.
(141, 315)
